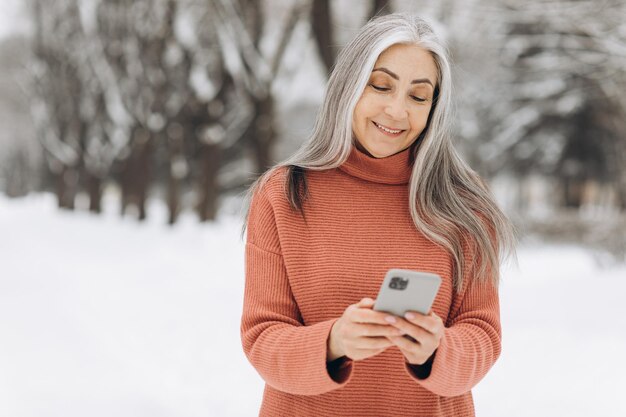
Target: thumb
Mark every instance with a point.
(365, 302)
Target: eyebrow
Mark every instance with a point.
(395, 77)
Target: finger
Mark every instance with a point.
(372, 343)
(418, 333)
(431, 322)
(365, 315)
(404, 344)
(365, 302)
(371, 330)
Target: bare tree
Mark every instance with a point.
(59, 86)
(239, 27)
(20, 153)
(321, 23)
(545, 72)
(324, 32)
(380, 7)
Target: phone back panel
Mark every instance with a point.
(403, 290)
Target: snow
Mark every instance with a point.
(103, 315)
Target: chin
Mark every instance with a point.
(383, 152)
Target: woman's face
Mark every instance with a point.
(394, 107)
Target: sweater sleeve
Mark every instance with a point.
(470, 345)
(289, 356)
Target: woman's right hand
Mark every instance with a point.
(360, 332)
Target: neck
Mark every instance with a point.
(393, 169)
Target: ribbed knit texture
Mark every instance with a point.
(301, 276)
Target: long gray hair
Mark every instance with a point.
(448, 201)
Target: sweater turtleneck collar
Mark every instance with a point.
(394, 169)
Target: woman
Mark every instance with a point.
(377, 186)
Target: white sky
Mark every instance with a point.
(13, 17)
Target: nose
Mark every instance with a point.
(396, 107)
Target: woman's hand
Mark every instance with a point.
(427, 330)
(360, 332)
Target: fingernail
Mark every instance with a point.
(409, 316)
(390, 319)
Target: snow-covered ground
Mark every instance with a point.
(105, 316)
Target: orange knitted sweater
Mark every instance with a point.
(301, 274)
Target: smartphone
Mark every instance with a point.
(403, 290)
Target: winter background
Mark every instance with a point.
(138, 314)
(102, 316)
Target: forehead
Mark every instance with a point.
(408, 61)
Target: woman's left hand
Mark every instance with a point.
(427, 330)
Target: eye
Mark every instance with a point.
(378, 88)
(418, 99)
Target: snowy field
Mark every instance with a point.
(104, 316)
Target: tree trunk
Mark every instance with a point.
(380, 8)
(178, 167)
(207, 205)
(66, 187)
(94, 189)
(144, 173)
(137, 171)
(572, 188)
(263, 135)
(323, 32)
(173, 197)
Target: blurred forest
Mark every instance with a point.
(189, 100)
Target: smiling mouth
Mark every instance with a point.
(388, 130)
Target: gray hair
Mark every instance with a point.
(448, 201)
